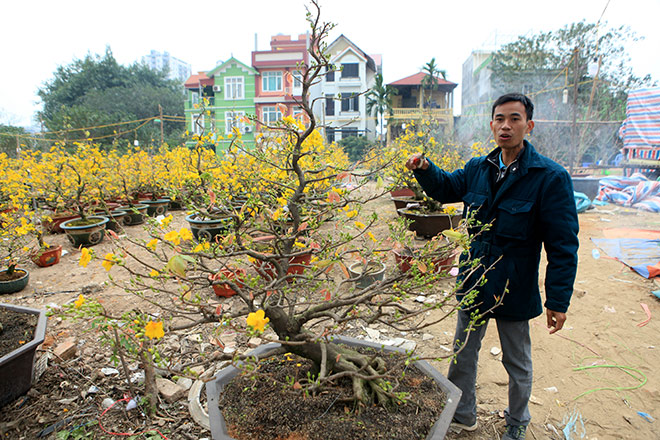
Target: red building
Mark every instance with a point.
(278, 79)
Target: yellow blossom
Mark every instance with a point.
(185, 234)
(204, 246)
(257, 320)
(166, 221)
(109, 261)
(359, 225)
(85, 257)
(371, 236)
(80, 301)
(152, 244)
(154, 330)
(173, 236)
(154, 273)
(351, 214)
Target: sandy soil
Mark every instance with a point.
(601, 332)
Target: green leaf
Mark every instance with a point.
(177, 265)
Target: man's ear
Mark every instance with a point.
(530, 126)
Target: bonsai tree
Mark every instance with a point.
(66, 180)
(15, 235)
(16, 222)
(419, 138)
(301, 225)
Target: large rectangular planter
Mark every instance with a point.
(16, 367)
(437, 432)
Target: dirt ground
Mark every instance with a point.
(601, 345)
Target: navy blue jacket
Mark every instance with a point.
(534, 207)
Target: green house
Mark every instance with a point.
(228, 91)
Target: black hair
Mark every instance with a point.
(519, 97)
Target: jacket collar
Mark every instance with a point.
(527, 158)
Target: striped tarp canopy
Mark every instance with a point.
(642, 125)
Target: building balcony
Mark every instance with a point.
(445, 115)
(191, 103)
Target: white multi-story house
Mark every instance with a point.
(177, 69)
(345, 111)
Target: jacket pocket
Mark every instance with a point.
(514, 218)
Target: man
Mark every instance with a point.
(529, 200)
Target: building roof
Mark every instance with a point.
(370, 61)
(416, 80)
(231, 61)
(198, 80)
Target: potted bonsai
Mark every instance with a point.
(303, 316)
(15, 231)
(127, 170)
(45, 255)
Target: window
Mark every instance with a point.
(350, 70)
(197, 124)
(330, 75)
(271, 115)
(194, 97)
(271, 81)
(297, 82)
(234, 119)
(350, 103)
(330, 134)
(234, 87)
(329, 105)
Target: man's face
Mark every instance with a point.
(510, 125)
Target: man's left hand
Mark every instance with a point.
(555, 320)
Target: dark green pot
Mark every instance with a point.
(156, 207)
(86, 235)
(207, 230)
(13, 286)
(117, 218)
(134, 214)
(429, 225)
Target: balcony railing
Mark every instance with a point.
(445, 114)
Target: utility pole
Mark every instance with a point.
(574, 137)
(162, 132)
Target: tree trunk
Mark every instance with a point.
(338, 359)
(150, 388)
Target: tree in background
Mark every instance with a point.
(580, 72)
(430, 81)
(99, 92)
(379, 102)
(8, 143)
(356, 147)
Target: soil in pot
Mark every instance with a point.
(15, 282)
(17, 329)
(266, 409)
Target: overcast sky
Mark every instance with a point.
(39, 35)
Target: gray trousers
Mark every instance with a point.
(516, 358)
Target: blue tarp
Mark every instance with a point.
(636, 253)
(582, 202)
